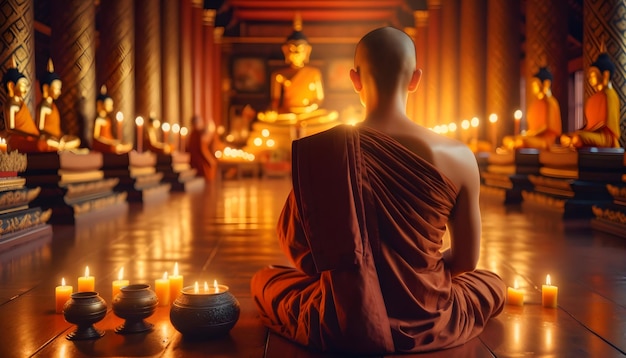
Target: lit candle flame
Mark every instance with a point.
(119, 116)
(548, 280)
(196, 289)
(120, 274)
(165, 275)
(175, 128)
(215, 285)
(517, 115)
(63, 281)
(165, 127)
(206, 287)
(139, 121)
(86, 271)
(184, 131)
(493, 118)
(176, 269)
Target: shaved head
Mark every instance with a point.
(387, 55)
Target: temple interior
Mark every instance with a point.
(147, 144)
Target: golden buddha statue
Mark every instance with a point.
(19, 127)
(296, 91)
(103, 139)
(544, 116)
(601, 110)
(151, 139)
(49, 121)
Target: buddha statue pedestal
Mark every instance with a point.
(506, 174)
(137, 175)
(611, 217)
(571, 183)
(73, 186)
(178, 172)
(20, 222)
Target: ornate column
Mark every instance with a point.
(503, 64)
(17, 39)
(209, 39)
(148, 58)
(186, 64)
(116, 58)
(198, 58)
(416, 104)
(449, 69)
(602, 23)
(546, 45)
(73, 52)
(431, 70)
(170, 61)
(472, 54)
(218, 114)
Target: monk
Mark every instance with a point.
(201, 141)
(602, 127)
(364, 222)
(49, 120)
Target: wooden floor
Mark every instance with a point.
(226, 232)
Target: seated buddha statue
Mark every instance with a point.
(296, 91)
(103, 140)
(151, 139)
(602, 128)
(49, 121)
(20, 129)
(543, 116)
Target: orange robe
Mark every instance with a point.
(363, 227)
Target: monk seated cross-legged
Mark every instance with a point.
(364, 223)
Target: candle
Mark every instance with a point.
(175, 134)
(514, 296)
(86, 283)
(176, 283)
(549, 294)
(183, 135)
(3, 145)
(518, 119)
(493, 119)
(119, 117)
(139, 123)
(165, 127)
(206, 290)
(162, 290)
(119, 283)
(474, 123)
(62, 294)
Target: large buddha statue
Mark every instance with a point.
(601, 110)
(49, 121)
(19, 127)
(543, 116)
(103, 139)
(296, 91)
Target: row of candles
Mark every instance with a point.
(166, 288)
(549, 294)
(176, 130)
(466, 124)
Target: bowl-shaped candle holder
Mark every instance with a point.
(134, 303)
(204, 314)
(84, 309)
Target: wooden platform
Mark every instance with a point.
(226, 232)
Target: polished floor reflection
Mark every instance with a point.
(226, 233)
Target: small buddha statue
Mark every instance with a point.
(296, 91)
(20, 128)
(544, 116)
(103, 139)
(49, 121)
(602, 128)
(151, 139)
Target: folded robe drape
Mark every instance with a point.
(363, 227)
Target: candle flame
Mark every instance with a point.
(119, 116)
(196, 289)
(63, 281)
(86, 271)
(175, 127)
(184, 131)
(515, 286)
(493, 118)
(206, 287)
(139, 121)
(165, 127)
(548, 280)
(215, 285)
(120, 274)
(176, 269)
(165, 275)
(517, 115)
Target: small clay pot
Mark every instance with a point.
(84, 309)
(134, 303)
